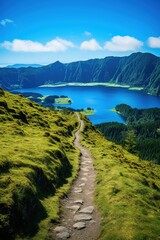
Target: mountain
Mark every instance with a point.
(140, 70)
(23, 65)
(38, 162)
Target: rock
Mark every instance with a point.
(85, 155)
(79, 225)
(82, 217)
(92, 221)
(88, 209)
(78, 190)
(60, 229)
(84, 179)
(85, 169)
(85, 174)
(88, 162)
(79, 201)
(75, 208)
(83, 163)
(82, 185)
(63, 235)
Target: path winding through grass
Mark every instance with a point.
(80, 218)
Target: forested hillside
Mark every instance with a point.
(141, 135)
(140, 70)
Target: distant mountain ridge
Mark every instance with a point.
(140, 70)
(19, 65)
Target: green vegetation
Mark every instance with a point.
(38, 162)
(144, 123)
(139, 71)
(62, 100)
(46, 101)
(88, 112)
(130, 141)
(127, 192)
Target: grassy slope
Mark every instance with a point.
(36, 158)
(127, 193)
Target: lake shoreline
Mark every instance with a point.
(93, 85)
(99, 98)
(85, 85)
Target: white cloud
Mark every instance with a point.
(123, 44)
(154, 42)
(91, 45)
(56, 45)
(87, 33)
(3, 22)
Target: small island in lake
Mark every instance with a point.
(63, 100)
(88, 112)
(48, 100)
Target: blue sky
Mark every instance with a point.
(35, 31)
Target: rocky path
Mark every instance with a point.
(80, 218)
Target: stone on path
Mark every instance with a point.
(85, 155)
(75, 208)
(78, 190)
(59, 229)
(82, 217)
(85, 169)
(79, 201)
(62, 232)
(84, 179)
(82, 185)
(63, 235)
(85, 174)
(79, 225)
(88, 209)
(92, 221)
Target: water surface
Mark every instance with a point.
(101, 98)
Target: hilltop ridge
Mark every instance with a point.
(140, 70)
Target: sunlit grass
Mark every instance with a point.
(63, 100)
(38, 162)
(127, 192)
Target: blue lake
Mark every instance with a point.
(101, 98)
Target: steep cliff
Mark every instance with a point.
(137, 70)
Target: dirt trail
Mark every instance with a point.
(80, 219)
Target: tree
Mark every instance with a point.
(130, 141)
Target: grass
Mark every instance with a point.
(127, 192)
(63, 100)
(38, 162)
(88, 112)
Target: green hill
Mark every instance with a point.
(128, 190)
(37, 158)
(38, 162)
